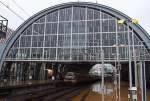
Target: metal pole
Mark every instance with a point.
(135, 69)
(117, 57)
(144, 82)
(44, 65)
(141, 79)
(102, 57)
(119, 68)
(115, 82)
(130, 69)
(134, 55)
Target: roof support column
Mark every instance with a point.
(56, 57)
(71, 33)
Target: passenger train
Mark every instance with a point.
(72, 77)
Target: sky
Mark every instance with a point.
(136, 9)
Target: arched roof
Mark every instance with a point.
(119, 15)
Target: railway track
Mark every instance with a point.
(51, 93)
(83, 97)
(74, 93)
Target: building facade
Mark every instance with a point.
(72, 33)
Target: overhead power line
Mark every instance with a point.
(12, 11)
(20, 8)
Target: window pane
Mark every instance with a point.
(90, 14)
(75, 27)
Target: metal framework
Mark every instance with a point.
(68, 33)
(73, 32)
(3, 26)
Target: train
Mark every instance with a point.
(73, 77)
(94, 74)
(96, 70)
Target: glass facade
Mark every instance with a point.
(75, 34)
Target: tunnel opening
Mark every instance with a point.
(24, 69)
(39, 70)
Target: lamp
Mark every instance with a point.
(135, 21)
(121, 22)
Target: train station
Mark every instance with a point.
(83, 41)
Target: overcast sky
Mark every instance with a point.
(138, 9)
